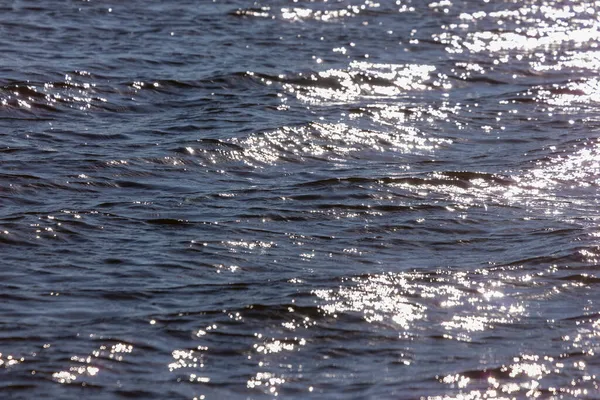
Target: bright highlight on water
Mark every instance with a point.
(309, 199)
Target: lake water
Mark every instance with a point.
(299, 199)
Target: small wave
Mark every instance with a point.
(316, 12)
(360, 81)
(317, 142)
(86, 92)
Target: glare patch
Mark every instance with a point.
(189, 365)
(579, 169)
(572, 94)
(534, 27)
(9, 360)
(363, 80)
(296, 14)
(326, 142)
(76, 91)
(268, 381)
(249, 246)
(588, 60)
(299, 14)
(403, 300)
(527, 376)
(184, 359)
(377, 299)
(93, 364)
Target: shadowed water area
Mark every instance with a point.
(299, 199)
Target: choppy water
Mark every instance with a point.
(307, 199)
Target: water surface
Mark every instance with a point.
(308, 199)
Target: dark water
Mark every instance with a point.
(299, 199)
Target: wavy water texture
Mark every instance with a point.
(317, 199)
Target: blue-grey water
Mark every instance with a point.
(299, 199)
